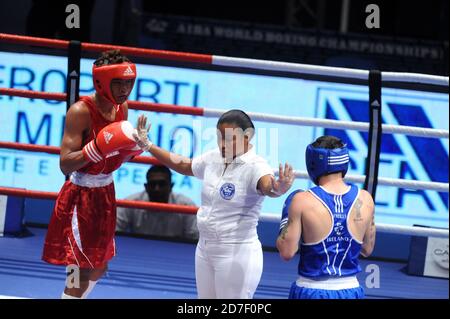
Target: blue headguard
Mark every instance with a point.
(323, 161)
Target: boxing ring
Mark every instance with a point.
(157, 274)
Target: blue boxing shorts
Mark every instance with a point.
(332, 288)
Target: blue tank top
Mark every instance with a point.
(337, 254)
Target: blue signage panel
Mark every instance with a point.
(42, 122)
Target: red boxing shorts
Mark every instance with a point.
(83, 223)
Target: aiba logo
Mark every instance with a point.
(402, 156)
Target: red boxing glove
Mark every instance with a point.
(114, 137)
(129, 153)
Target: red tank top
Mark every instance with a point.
(98, 122)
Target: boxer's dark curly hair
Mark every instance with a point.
(328, 141)
(111, 57)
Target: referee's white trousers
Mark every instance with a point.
(228, 270)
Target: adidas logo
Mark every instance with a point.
(128, 71)
(108, 136)
(112, 154)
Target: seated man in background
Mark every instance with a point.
(158, 189)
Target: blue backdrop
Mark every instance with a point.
(41, 122)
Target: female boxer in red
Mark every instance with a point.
(97, 140)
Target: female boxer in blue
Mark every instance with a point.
(335, 223)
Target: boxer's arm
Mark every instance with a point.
(125, 111)
(289, 237)
(370, 234)
(77, 121)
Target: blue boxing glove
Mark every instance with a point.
(285, 212)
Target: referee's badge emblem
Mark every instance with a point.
(227, 191)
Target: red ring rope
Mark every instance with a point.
(135, 105)
(95, 47)
(170, 208)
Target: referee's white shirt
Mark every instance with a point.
(231, 203)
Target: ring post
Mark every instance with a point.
(375, 132)
(73, 74)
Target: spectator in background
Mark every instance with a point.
(158, 189)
